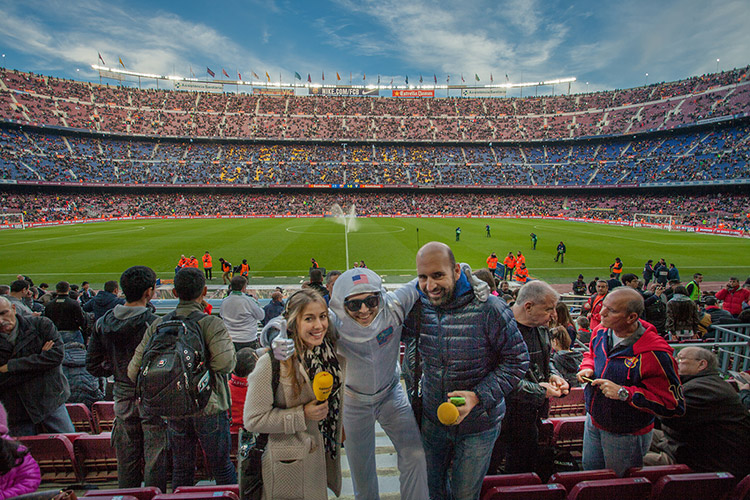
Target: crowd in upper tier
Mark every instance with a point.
(36, 99)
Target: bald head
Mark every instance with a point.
(438, 272)
(693, 360)
(632, 299)
(620, 311)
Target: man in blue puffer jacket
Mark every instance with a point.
(470, 349)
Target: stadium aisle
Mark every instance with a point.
(385, 458)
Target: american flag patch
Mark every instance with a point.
(358, 279)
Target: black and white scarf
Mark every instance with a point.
(318, 359)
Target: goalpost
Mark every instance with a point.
(659, 221)
(13, 221)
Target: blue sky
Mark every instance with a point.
(606, 43)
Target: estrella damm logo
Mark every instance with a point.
(631, 362)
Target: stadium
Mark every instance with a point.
(141, 169)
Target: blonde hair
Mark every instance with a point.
(295, 305)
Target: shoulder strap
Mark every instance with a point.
(196, 316)
(275, 373)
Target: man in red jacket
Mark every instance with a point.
(631, 376)
(733, 296)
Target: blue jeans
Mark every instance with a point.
(57, 422)
(607, 450)
(456, 464)
(212, 432)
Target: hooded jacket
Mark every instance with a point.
(373, 349)
(733, 299)
(469, 345)
(113, 343)
(25, 477)
(84, 387)
(644, 365)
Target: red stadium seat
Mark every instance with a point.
(741, 491)
(104, 416)
(546, 432)
(627, 488)
(55, 456)
(568, 434)
(200, 495)
(695, 486)
(571, 405)
(96, 458)
(550, 491)
(146, 493)
(116, 496)
(655, 472)
(234, 488)
(490, 482)
(81, 417)
(570, 479)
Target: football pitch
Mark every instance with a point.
(279, 250)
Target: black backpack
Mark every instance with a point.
(174, 379)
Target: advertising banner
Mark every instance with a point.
(199, 87)
(273, 92)
(414, 93)
(342, 91)
(483, 92)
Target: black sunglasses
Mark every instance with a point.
(355, 305)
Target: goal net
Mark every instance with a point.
(12, 221)
(659, 221)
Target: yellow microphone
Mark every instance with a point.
(322, 385)
(447, 413)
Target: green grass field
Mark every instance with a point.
(279, 250)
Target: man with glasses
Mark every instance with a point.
(714, 434)
(630, 376)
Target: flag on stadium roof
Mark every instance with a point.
(191, 72)
(364, 76)
(476, 77)
(323, 75)
(407, 79)
(100, 58)
(378, 79)
(492, 80)
(256, 75)
(297, 76)
(225, 72)
(420, 79)
(506, 77)
(309, 78)
(434, 77)
(391, 81)
(448, 80)
(338, 77)
(462, 78)
(208, 70)
(121, 63)
(268, 76)
(239, 76)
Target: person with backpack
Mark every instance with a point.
(302, 457)
(140, 441)
(181, 368)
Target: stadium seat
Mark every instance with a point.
(694, 486)
(742, 490)
(96, 458)
(200, 495)
(571, 405)
(490, 482)
(115, 497)
(626, 488)
(550, 491)
(81, 417)
(570, 479)
(655, 472)
(145, 493)
(234, 488)
(546, 432)
(55, 456)
(104, 416)
(568, 434)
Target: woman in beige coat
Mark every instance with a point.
(303, 456)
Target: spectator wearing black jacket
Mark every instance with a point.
(104, 301)
(66, 314)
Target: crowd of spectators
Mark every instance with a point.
(729, 211)
(41, 100)
(695, 156)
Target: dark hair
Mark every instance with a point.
(189, 283)
(238, 283)
(628, 277)
(331, 275)
(62, 287)
(563, 314)
(84, 283)
(4, 289)
(10, 455)
(246, 359)
(43, 285)
(73, 287)
(19, 286)
(484, 274)
(744, 316)
(583, 322)
(110, 286)
(680, 289)
(710, 300)
(135, 281)
(316, 276)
